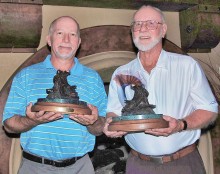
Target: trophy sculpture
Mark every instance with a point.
(137, 114)
(62, 98)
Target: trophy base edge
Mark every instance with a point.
(138, 125)
(61, 108)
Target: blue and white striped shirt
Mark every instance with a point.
(63, 138)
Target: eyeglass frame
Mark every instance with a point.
(142, 22)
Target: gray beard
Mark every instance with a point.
(65, 56)
(148, 47)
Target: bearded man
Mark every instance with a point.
(178, 88)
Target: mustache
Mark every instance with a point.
(144, 35)
(65, 45)
(141, 35)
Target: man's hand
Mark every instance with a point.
(41, 116)
(112, 134)
(93, 122)
(86, 119)
(174, 126)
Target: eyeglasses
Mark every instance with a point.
(150, 25)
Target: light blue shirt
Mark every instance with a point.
(63, 138)
(176, 85)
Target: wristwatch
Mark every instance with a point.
(185, 125)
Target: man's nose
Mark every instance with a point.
(66, 38)
(143, 27)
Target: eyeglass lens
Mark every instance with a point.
(150, 25)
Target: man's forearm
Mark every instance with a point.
(97, 127)
(200, 119)
(18, 124)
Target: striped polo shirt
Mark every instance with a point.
(63, 138)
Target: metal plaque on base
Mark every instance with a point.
(138, 114)
(62, 98)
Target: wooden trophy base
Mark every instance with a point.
(64, 108)
(137, 124)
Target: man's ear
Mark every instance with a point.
(79, 42)
(164, 30)
(48, 40)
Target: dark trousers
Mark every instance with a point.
(189, 164)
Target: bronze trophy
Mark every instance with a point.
(62, 98)
(137, 114)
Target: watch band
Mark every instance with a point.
(185, 124)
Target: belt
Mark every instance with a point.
(41, 160)
(166, 158)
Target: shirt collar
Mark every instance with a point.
(163, 60)
(161, 63)
(77, 69)
(48, 63)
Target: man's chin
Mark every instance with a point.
(65, 56)
(146, 47)
(143, 47)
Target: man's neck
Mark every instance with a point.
(149, 58)
(62, 64)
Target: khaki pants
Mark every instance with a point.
(81, 166)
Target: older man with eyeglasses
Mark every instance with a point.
(178, 87)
